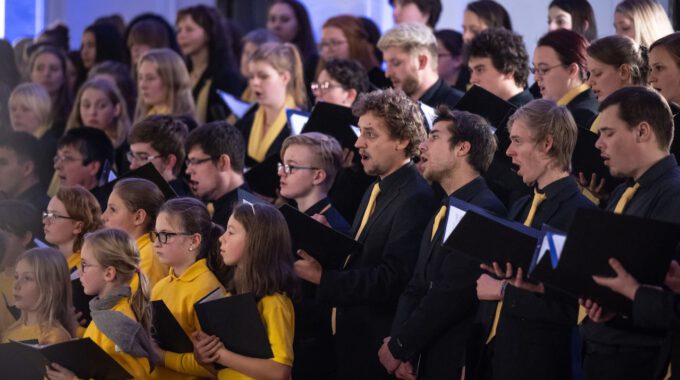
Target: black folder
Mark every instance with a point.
(237, 322)
(586, 159)
(488, 238)
(325, 244)
(644, 247)
(147, 172)
(336, 121)
(81, 356)
(167, 332)
(263, 178)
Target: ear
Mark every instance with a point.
(93, 168)
(110, 274)
(224, 163)
(28, 168)
(118, 109)
(140, 217)
(509, 75)
(624, 73)
(196, 241)
(77, 227)
(423, 61)
(352, 96)
(285, 76)
(319, 177)
(401, 144)
(574, 70)
(463, 148)
(644, 132)
(547, 144)
(586, 25)
(27, 238)
(171, 161)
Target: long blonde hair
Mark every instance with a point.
(54, 283)
(173, 73)
(115, 248)
(117, 135)
(36, 98)
(649, 18)
(285, 57)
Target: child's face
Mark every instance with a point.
(92, 274)
(117, 214)
(233, 242)
(26, 291)
(60, 229)
(300, 182)
(175, 251)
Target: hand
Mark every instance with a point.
(321, 219)
(158, 350)
(596, 188)
(488, 288)
(673, 277)
(308, 268)
(56, 372)
(595, 312)
(78, 317)
(622, 283)
(206, 347)
(386, 359)
(405, 371)
(517, 280)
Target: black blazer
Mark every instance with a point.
(225, 79)
(441, 93)
(675, 145)
(584, 108)
(367, 291)
(437, 308)
(245, 125)
(533, 339)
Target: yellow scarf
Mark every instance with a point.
(571, 94)
(159, 110)
(259, 140)
(202, 102)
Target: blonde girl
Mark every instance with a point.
(121, 319)
(42, 291)
(645, 21)
(29, 109)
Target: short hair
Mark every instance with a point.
(638, 104)
(581, 13)
(350, 74)
(402, 116)
(285, 57)
(24, 145)
(570, 47)
(412, 38)
(83, 207)
(217, 138)
(465, 126)
(36, 98)
(618, 50)
(452, 41)
(326, 152)
(545, 118)
(432, 8)
(260, 36)
(149, 32)
(649, 18)
(492, 13)
(19, 217)
(165, 134)
(92, 143)
(506, 51)
(359, 46)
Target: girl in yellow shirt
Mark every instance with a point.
(121, 320)
(132, 207)
(257, 244)
(42, 291)
(187, 241)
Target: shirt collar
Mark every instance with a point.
(318, 207)
(143, 241)
(395, 179)
(430, 93)
(572, 94)
(470, 189)
(554, 189)
(195, 270)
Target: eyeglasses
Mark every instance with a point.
(66, 159)
(141, 157)
(163, 236)
(196, 161)
(51, 217)
(83, 266)
(288, 169)
(323, 86)
(543, 70)
(331, 44)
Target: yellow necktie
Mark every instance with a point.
(211, 208)
(620, 206)
(535, 202)
(668, 373)
(370, 207)
(437, 221)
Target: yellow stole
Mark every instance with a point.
(202, 102)
(159, 110)
(260, 140)
(571, 94)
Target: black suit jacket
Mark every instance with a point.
(675, 145)
(441, 93)
(533, 339)
(584, 108)
(437, 308)
(245, 125)
(225, 79)
(521, 99)
(367, 291)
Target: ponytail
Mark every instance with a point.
(140, 301)
(298, 77)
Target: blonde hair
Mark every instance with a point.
(545, 118)
(650, 20)
(36, 98)
(83, 207)
(115, 248)
(285, 57)
(54, 284)
(117, 135)
(412, 38)
(326, 152)
(173, 73)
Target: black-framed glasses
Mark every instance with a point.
(162, 237)
(543, 70)
(288, 169)
(141, 157)
(323, 86)
(51, 216)
(196, 161)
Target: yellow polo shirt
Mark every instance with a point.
(21, 332)
(148, 264)
(6, 299)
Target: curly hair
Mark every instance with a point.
(506, 50)
(350, 74)
(402, 116)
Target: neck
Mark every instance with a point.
(309, 200)
(32, 318)
(571, 84)
(107, 290)
(26, 185)
(168, 175)
(428, 79)
(509, 91)
(179, 269)
(395, 168)
(550, 176)
(90, 183)
(199, 61)
(271, 112)
(66, 249)
(652, 156)
(452, 78)
(458, 178)
(230, 182)
(137, 232)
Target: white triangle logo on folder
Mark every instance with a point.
(454, 217)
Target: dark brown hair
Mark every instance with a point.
(141, 194)
(618, 50)
(165, 134)
(570, 47)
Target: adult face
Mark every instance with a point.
(402, 70)
(624, 25)
(191, 37)
(408, 13)
(665, 75)
(334, 44)
(300, 182)
(559, 19)
(88, 50)
(329, 90)
(603, 79)
(267, 84)
(380, 153)
(617, 144)
(437, 158)
(551, 76)
(151, 86)
(204, 175)
(12, 172)
(485, 75)
(472, 25)
(142, 153)
(529, 155)
(69, 164)
(282, 22)
(48, 72)
(447, 65)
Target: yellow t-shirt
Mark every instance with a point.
(21, 332)
(180, 293)
(148, 263)
(6, 300)
(138, 367)
(278, 316)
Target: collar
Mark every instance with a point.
(73, 261)
(470, 189)
(229, 198)
(657, 170)
(395, 179)
(432, 91)
(143, 241)
(571, 94)
(260, 140)
(556, 189)
(159, 110)
(521, 98)
(319, 207)
(196, 269)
